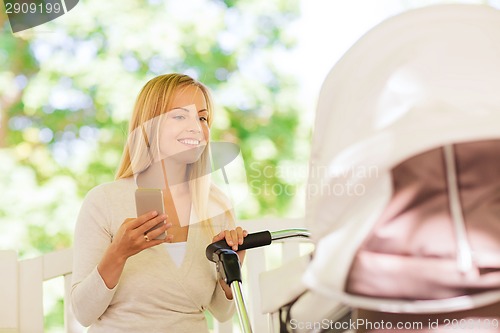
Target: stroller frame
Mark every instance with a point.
(228, 264)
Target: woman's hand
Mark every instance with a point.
(130, 239)
(233, 238)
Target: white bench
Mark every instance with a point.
(21, 294)
(21, 281)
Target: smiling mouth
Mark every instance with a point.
(190, 142)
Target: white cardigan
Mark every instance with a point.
(153, 294)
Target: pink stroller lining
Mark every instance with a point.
(411, 253)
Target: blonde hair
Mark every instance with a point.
(152, 103)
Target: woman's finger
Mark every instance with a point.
(219, 236)
(158, 231)
(154, 242)
(140, 220)
(233, 234)
(151, 223)
(239, 232)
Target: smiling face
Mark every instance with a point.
(184, 130)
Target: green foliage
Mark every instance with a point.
(53, 319)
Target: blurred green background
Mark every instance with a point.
(67, 89)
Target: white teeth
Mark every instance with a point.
(190, 142)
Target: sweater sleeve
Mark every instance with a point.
(90, 296)
(220, 307)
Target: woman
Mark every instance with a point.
(125, 276)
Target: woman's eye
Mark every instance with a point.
(203, 119)
(178, 117)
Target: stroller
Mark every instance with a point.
(404, 184)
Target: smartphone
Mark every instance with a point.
(147, 200)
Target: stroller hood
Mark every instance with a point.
(420, 80)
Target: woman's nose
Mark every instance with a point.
(194, 125)
(194, 130)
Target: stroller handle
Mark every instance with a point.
(251, 241)
(254, 240)
(228, 264)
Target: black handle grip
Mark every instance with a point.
(251, 241)
(230, 270)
